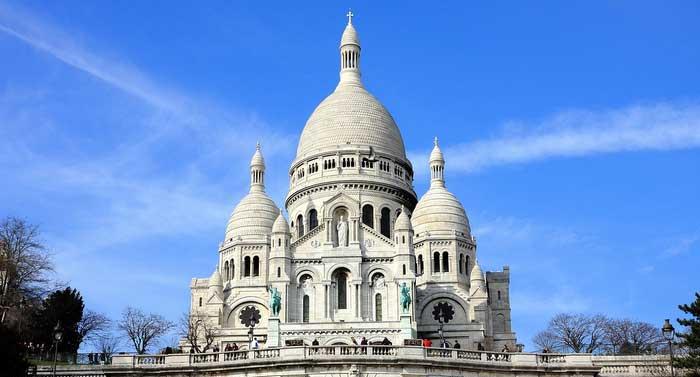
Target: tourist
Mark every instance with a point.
(480, 347)
(363, 344)
(234, 347)
(427, 343)
(254, 344)
(191, 349)
(315, 343)
(457, 345)
(505, 348)
(386, 342)
(90, 358)
(227, 348)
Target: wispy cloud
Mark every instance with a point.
(663, 126)
(683, 245)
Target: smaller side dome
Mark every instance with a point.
(215, 279)
(280, 225)
(403, 222)
(476, 274)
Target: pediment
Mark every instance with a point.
(344, 200)
(214, 299)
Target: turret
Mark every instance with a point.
(437, 166)
(216, 285)
(280, 255)
(257, 170)
(350, 55)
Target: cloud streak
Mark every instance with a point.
(576, 133)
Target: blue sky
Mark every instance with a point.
(571, 132)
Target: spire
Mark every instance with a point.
(437, 166)
(257, 170)
(350, 54)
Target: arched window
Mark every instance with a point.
(342, 289)
(233, 270)
(279, 272)
(461, 259)
(200, 301)
(436, 262)
(499, 295)
(466, 265)
(385, 223)
(404, 269)
(256, 265)
(403, 239)
(368, 215)
(300, 226)
(305, 309)
(378, 307)
(313, 219)
(246, 266)
(419, 270)
(445, 262)
(226, 277)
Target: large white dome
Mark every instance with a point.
(351, 115)
(439, 211)
(255, 214)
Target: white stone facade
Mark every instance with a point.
(356, 234)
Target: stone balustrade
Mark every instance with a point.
(337, 358)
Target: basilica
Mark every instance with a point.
(359, 255)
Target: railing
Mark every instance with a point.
(149, 360)
(546, 358)
(319, 351)
(378, 352)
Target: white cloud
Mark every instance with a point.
(683, 245)
(663, 126)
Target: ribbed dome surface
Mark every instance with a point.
(253, 216)
(439, 211)
(351, 115)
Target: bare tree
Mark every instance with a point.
(625, 336)
(24, 264)
(546, 341)
(92, 326)
(106, 343)
(198, 330)
(143, 329)
(575, 333)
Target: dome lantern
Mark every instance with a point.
(257, 170)
(350, 54)
(437, 166)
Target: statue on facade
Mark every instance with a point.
(275, 302)
(342, 229)
(405, 297)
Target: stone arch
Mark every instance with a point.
(242, 302)
(427, 304)
(388, 275)
(301, 272)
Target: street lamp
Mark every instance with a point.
(57, 336)
(669, 332)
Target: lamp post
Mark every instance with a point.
(442, 338)
(669, 333)
(57, 336)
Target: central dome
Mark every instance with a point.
(351, 115)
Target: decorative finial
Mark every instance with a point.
(257, 145)
(349, 15)
(435, 141)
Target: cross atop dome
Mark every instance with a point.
(435, 141)
(350, 15)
